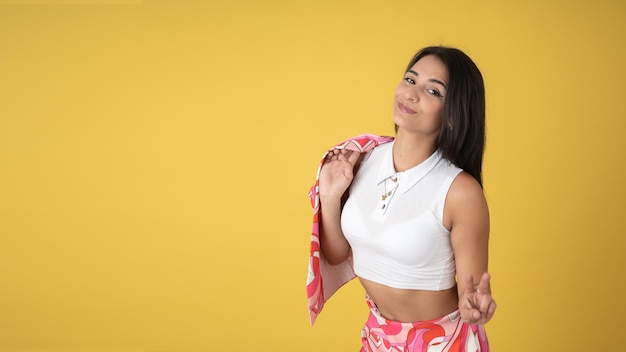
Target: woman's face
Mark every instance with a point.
(420, 97)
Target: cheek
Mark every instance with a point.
(441, 111)
(396, 97)
(400, 89)
(396, 94)
(438, 108)
(440, 117)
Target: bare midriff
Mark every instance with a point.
(411, 305)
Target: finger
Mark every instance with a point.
(492, 309)
(485, 302)
(466, 313)
(484, 319)
(470, 305)
(476, 315)
(470, 316)
(343, 155)
(353, 157)
(484, 285)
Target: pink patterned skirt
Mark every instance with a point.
(447, 334)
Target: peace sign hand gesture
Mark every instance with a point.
(476, 305)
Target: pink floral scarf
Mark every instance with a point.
(324, 279)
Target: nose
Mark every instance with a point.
(411, 95)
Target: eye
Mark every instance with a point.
(434, 92)
(409, 80)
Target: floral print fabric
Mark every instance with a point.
(447, 334)
(323, 279)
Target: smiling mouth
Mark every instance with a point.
(405, 109)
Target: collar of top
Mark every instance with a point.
(408, 178)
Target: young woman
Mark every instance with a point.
(410, 214)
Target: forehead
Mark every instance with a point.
(431, 67)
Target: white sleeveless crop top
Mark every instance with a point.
(394, 222)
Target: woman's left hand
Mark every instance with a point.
(476, 305)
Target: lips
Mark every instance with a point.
(405, 109)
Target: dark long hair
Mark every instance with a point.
(462, 136)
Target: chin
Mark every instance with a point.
(399, 121)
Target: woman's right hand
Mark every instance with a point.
(337, 173)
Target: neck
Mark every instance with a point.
(410, 151)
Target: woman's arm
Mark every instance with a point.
(467, 214)
(335, 178)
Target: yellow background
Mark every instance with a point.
(155, 160)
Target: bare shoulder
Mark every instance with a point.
(466, 201)
(465, 190)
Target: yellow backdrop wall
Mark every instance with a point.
(155, 159)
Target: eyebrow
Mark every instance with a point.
(431, 80)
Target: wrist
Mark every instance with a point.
(330, 198)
